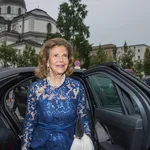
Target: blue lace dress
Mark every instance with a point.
(51, 115)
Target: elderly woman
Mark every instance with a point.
(55, 101)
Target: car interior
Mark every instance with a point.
(18, 100)
(20, 103)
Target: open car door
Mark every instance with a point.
(122, 107)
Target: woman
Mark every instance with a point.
(55, 101)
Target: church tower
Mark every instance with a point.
(12, 8)
(19, 28)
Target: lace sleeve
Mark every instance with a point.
(82, 110)
(30, 119)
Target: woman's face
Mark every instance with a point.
(58, 60)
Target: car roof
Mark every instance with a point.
(5, 72)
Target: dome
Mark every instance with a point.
(20, 3)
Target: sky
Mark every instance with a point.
(110, 21)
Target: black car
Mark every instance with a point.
(118, 107)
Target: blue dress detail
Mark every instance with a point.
(51, 115)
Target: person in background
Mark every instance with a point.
(55, 101)
(146, 80)
(11, 96)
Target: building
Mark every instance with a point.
(19, 27)
(109, 49)
(139, 50)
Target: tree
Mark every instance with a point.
(52, 35)
(114, 54)
(71, 25)
(8, 56)
(27, 58)
(126, 58)
(147, 61)
(82, 47)
(71, 19)
(100, 57)
(138, 67)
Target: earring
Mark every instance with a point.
(47, 66)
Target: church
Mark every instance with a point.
(19, 27)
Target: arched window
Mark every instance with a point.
(49, 28)
(19, 11)
(8, 10)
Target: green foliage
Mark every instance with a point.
(147, 61)
(27, 58)
(76, 55)
(75, 52)
(82, 47)
(114, 54)
(71, 25)
(100, 57)
(138, 67)
(52, 35)
(126, 58)
(8, 56)
(71, 19)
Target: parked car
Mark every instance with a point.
(118, 107)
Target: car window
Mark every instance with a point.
(105, 92)
(131, 105)
(106, 95)
(17, 98)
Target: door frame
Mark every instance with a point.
(123, 82)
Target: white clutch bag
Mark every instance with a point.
(82, 141)
(85, 143)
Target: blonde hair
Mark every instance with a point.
(42, 71)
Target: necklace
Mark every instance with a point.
(51, 82)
